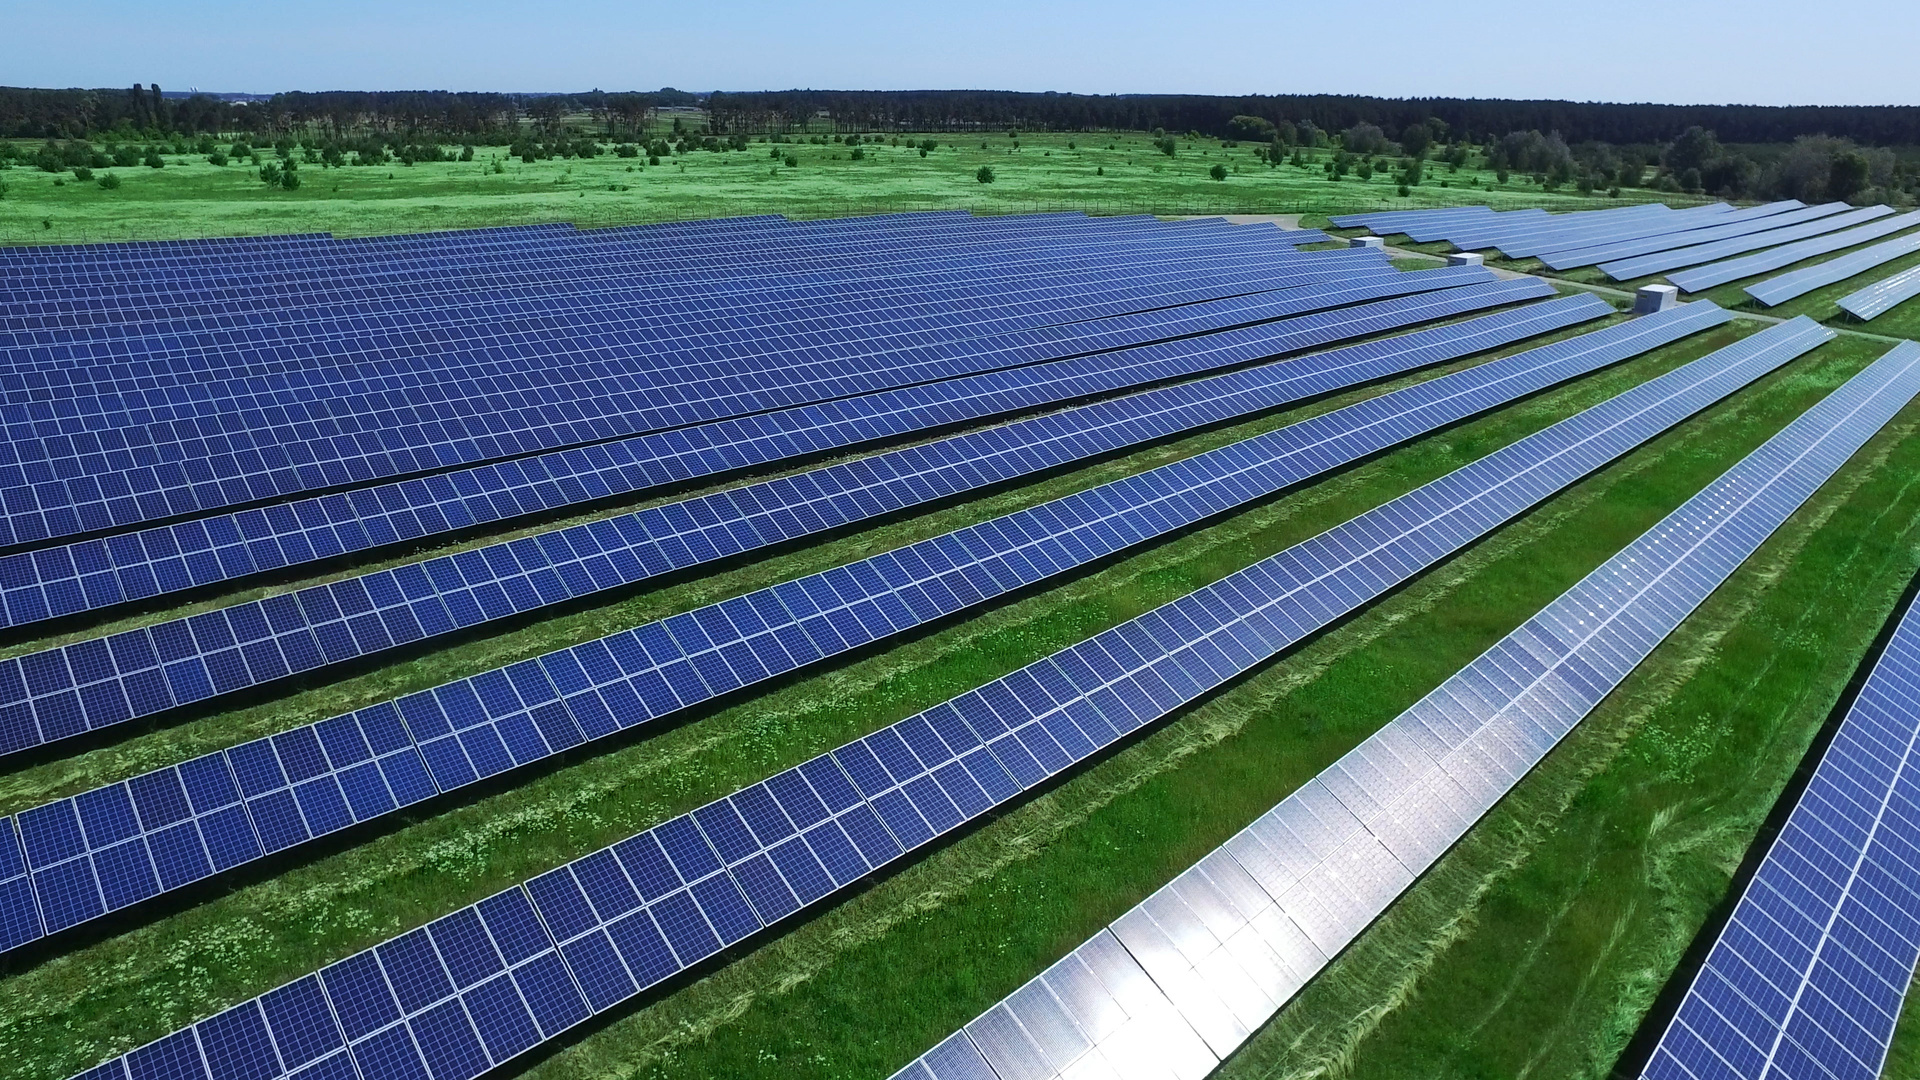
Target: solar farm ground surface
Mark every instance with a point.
(190, 198)
(1606, 861)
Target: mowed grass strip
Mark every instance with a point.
(71, 1011)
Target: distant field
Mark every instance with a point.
(190, 198)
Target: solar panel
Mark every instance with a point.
(1808, 976)
(1479, 235)
(629, 916)
(100, 573)
(483, 726)
(1882, 296)
(1697, 217)
(1664, 261)
(1779, 215)
(1180, 981)
(1706, 277)
(1801, 282)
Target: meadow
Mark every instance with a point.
(1097, 173)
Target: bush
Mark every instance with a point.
(109, 181)
(627, 150)
(1218, 172)
(152, 160)
(859, 153)
(216, 158)
(270, 174)
(126, 157)
(654, 159)
(1405, 191)
(792, 161)
(83, 174)
(985, 175)
(923, 151)
(466, 153)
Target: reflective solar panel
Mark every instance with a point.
(627, 917)
(1706, 277)
(1210, 957)
(1882, 296)
(1661, 262)
(1811, 970)
(294, 786)
(1787, 286)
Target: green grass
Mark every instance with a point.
(1095, 845)
(190, 198)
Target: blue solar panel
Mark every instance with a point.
(1800, 282)
(628, 916)
(1209, 958)
(1812, 968)
(1661, 262)
(486, 725)
(1882, 296)
(1706, 277)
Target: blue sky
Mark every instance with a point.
(1753, 51)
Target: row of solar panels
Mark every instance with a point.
(475, 989)
(1809, 975)
(1698, 249)
(1182, 980)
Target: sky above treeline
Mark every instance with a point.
(1767, 52)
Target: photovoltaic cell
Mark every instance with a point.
(1706, 277)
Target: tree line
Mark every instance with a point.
(493, 117)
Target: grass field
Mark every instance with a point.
(190, 198)
(929, 947)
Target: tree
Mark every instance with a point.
(1696, 148)
(1847, 175)
(1415, 140)
(985, 175)
(1218, 172)
(1364, 138)
(1252, 129)
(153, 159)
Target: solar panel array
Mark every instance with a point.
(1178, 983)
(1786, 287)
(1706, 277)
(1882, 296)
(1737, 224)
(1808, 976)
(67, 579)
(475, 988)
(315, 780)
(1661, 262)
(152, 669)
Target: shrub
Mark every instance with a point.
(1218, 172)
(270, 174)
(985, 175)
(627, 150)
(152, 160)
(1405, 191)
(109, 181)
(216, 158)
(83, 174)
(859, 153)
(792, 161)
(653, 159)
(126, 157)
(466, 153)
